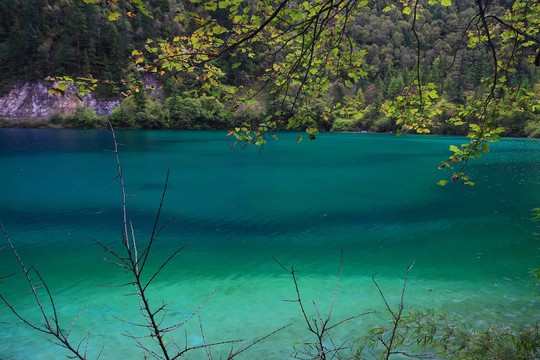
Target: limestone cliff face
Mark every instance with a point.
(34, 101)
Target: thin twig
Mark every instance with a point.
(206, 348)
(47, 328)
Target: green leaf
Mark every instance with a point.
(56, 91)
(235, 65)
(113, 15)
(442, 182)
(212, 6)
(446, 2)
(224, 3)
(61, 87)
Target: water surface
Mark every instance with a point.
(374, 197)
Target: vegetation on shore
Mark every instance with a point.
(207, 113)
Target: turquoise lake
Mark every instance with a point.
(372, 196)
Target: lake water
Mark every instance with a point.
(373, 196)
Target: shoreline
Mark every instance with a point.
(46, 123)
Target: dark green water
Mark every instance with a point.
(374, 196)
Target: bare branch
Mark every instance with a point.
(154, 235)
(75, 320)
(190, 316)
(47, 328)
(382, 295)
(242, 349)
(162, 266)
(206, 348)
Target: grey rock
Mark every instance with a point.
(33, 101)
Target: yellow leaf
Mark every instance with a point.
(113, 15)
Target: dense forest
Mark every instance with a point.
(41, 38)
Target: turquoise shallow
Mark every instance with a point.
(374, 197)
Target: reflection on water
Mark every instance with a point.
(372, 196)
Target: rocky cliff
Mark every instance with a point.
(34, 101)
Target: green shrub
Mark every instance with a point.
(124, 115)
(56, 118)
(132, 114)
(382, 124)
(532, 129)
(196, 113)
(82, 118)
(85, 118)
(341, 124)
(427, 334)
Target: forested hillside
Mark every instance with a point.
(40, 38)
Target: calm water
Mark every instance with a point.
(374, 196)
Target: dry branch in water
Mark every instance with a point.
(324, 347)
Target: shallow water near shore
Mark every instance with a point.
(371, 197)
